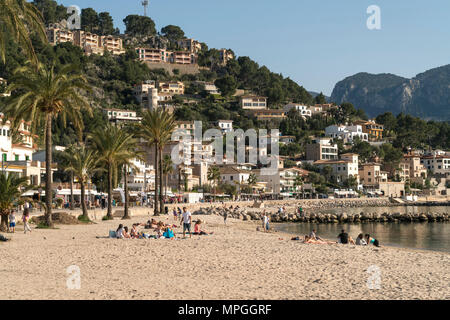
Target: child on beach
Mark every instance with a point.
(12, 221)
(134, 232)
(25, 219)
(119, 232)
(198, 231)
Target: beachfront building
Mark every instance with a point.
(119, 116)
(371, 175)
(140, 176)
(322, 149)
(234, 175)
(373, 130)
(416, 169)
(17, 153)
(173, 87)
(341, 170)
(285, 181)
(225, 125)
(305, 111)
(346, 133)
(437, 162)
(252, 102)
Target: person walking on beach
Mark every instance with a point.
(12, 221)
(267, 227)
(225, 216)
(25, 219)
(186, 219)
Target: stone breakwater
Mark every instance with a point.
(331, 203)
(363, 217)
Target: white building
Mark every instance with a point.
(346, 133)
(121, 116)
(305, 111)
(438, 163)
(225, 125)
(253, 102)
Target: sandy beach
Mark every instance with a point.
(236, 262)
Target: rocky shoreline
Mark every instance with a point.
(291, 215)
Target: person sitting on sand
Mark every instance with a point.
(119, 232)
(344, 238)
(371, 240)
(168, 233)
(198, 229)
(360, 240)
(313, 235)
(125, 233)
(134, 233)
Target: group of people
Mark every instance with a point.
(343, 238)
(12, 220)
(361, 240)
(161, 229)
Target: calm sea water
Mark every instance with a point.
(427, 236)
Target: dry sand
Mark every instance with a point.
(237, 262)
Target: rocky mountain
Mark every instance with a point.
(427, 95)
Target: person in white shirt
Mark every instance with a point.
(186, 219)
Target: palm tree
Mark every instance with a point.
(64, 163)
(156, 129)
(252, 179)
(112, 146)
(298, 182)
(214, 175)
(10, 185)
(45, 94)
(82, 163)
(167, 169)
(18, 18)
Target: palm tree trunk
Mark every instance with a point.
(71, 190)
(48, 172)
(83, 200)
(155, 209)
(161, 200)
(126, 214)
(4, 222)
(110, 191)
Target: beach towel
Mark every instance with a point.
(112, 234)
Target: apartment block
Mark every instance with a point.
(56, 36)
(370, 175)
(251, 102)
(190, 45)
(269, 114)
(373, 130)
(322, 149)
(171, 87)
(437, 164)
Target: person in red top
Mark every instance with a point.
(198, 231)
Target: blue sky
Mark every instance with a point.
(314, 42)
